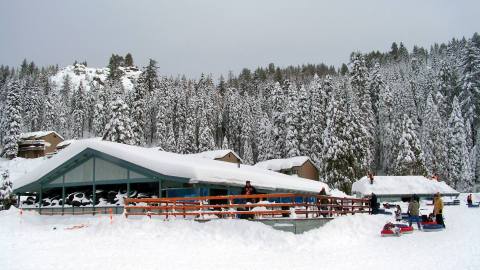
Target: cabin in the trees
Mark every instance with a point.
(300, 166)
(226, 155)
(94, 173)
(396, 188)
(38, 144)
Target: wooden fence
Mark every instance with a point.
(248, 206)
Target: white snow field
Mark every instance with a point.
(29, 241)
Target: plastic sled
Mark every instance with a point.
(474, 205)
(432, 228)
(388, 233)
(404, 228)
(428, 223)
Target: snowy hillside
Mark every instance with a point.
(349, 242)
(87, 75)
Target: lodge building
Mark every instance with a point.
(301, 166)
(99, 171)
(38, 144)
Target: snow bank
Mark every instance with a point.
(198, 170)
(282, 164)
(400, 185)
(38, 242)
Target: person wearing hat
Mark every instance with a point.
(438, 209)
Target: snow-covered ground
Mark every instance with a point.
(352, 242)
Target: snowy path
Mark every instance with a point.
(347, 243)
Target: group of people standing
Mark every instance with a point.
(414, 210)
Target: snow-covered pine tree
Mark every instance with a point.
(170, 144)
(13, 120)
(470, 83)
(163, 121)
(292, 114)
(205, 139)
(101, 110)
(386, 130)
(119, 128)
(6, 190)
(433, 139)
(50, 114)
(456, 146)
(337, 155)
(410, 159)
(304, 122)
(265, 146)
(189, 138)
(78, 114)
(317, 122)
(247, 153)
(224, 143)
(278, 121)
(366, 116)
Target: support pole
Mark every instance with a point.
(63, 195)
(159, 188)
(40, 200)
(94, 187)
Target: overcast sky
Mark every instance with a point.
(195, 36)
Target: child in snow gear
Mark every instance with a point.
(438, 209)
(398, 213)
(469, 199)
(413, 211)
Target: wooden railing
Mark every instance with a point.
(247, 206)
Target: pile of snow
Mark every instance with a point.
(197, 170)
(31, 241)
(214, 154)
(401, 185)
(87, 75)
(282, 164)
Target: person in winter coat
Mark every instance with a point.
(374, 204)
(438, 209)
(322, 203)
(469, 199)
(413, 212)
(398, 213)
(248, 189)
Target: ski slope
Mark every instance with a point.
(352, 242)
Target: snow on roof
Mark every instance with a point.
(197, 170)
(65, 143)
(401, 185)
(214, 154)
(282, 164)
(38, 134)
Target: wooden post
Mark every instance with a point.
(63, 194)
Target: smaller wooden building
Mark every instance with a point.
(38, 144)
(226, 155)
(301, 166)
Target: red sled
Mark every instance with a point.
(404, 228)
(389, 232)
(428, 222)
